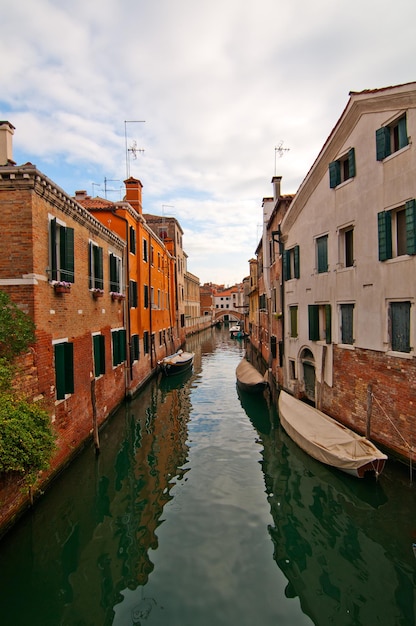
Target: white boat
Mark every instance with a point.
(236, 330)
(328, 441)
(249, 379)
(176, 363)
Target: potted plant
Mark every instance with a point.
(115, 295)
(61, 286)
(97, 293)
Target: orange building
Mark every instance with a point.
(148, 284)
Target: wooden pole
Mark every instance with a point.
(369, 409)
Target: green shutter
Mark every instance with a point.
(286, 265)
(100, 269)
(60, 370)
(67, 254)
(90, 285)
(99, 354)
(351, 163)
(322, 249)
(54, 260)
(382, 142)
(334, 174)
(64, 369)
(114, 337)
(328, 318)
(313, 318)
(384, 236)
(293, 321)
(402, 130)
(411, 226)
(122, 339)
(112, 260)
(296, 258)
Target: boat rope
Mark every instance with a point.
(410, 447)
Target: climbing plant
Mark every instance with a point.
(26, 437)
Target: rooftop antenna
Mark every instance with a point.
(95, 185)
(279, 150)
(110, 180)
(133, 149)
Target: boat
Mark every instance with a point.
(328, 441)
(249, 379)
(176, 363)
(236, 331)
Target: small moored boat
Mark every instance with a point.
(328, 441)
(176, 363)
(249, 379)
(236, 331)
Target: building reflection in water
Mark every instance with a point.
(332, 535)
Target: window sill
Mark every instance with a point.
(400, 355)
(346, 346)
(394, 154)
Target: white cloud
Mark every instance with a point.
(220, 85)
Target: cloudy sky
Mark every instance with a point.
(209, 89)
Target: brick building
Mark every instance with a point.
(57, 264)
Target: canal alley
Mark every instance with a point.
(200, 511)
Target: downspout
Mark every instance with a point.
(126, 303)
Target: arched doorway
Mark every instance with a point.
(308, 370)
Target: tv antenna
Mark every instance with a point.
(279, 150)
(132, 149)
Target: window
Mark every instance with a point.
(95, 266)
(293, 316)
(132, 233)
(119, 346)
(135, 348)
(342, 169)
(152, 254)
(391, 138)
(64, 369)
(319, 318)
(146, 346)
(146, 296)
(262, 302)
(397, 231)
(115, 273)
(98, 344)
(133, 294)
(145, 250)
(347, 312)
(292, 369)
(322, 254)
(61, 252)
(291, 263)
(346, 247)
(399, 326)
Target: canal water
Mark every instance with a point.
(199, 511)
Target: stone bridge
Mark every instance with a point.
(228, 315)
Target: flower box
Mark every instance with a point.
(62, 287)
(97, 293)
(117, 296)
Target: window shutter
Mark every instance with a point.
(273, 346)
(328, 319)
(69, 367)
(286, 265)
(402, 130)
(351, 163)
(67, 254)
(113, 283)
(90, 285)
(146, 296)
(98, 267)
(60, 370)
(116, 347)
(384, 236)
(296, 258)
(411, 226)
(382, 142)
(313, 318)
(334, 174)
(99, 354)
(54, 260)
(122, 337)
(322, 249)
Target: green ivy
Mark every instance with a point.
(26, 436)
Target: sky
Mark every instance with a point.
(204, 101)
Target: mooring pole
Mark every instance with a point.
(369, 409)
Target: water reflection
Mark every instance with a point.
(95, 540)
(343, 544)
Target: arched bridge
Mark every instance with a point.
(228, 315)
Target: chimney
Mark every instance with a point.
(134, 193)
(81, 195)
(6, 143)
(276, 180)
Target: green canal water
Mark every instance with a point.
(200, 511)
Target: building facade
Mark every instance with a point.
(350, 249)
